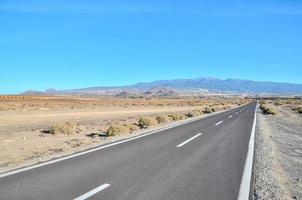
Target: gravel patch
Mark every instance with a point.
(278, 156)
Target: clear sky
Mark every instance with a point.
(72, 44)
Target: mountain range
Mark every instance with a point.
(197, 85)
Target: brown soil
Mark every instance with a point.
(22, 143)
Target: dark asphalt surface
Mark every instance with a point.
(151, 167)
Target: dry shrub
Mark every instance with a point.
(66, 128)
(162, 119)
(299, 110)
(277, 103)
(112, 131)
(132, 127)
(116, 129)
(177, 116)
(208, 110)
(193, 113)
(266, 109)
(226, 107)
(145, 122)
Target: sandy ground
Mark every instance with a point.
(22, 142)
(11, 121)
(21, 119)
(278, 164)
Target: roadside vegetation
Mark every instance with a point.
(143, 122)
(208, 110)
(162, 119)
(116, 129)
(177, 116)
(266, 109)
(65, 128)
(298, 110)
(194, 113)
(149, 121)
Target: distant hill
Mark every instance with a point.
(160, 91)
(123, 94)
(226, 86)
(202, 85)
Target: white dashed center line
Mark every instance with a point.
(218, 123)
(230, 116)
(92, 192)
(188, 140)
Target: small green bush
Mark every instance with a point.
(145, 122)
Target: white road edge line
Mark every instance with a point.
(92, 192)
(188, 140)
(218, 123)
(16, 171)
(244, 191)
(230, 116)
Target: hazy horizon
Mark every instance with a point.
(142, 82)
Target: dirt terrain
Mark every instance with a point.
(22, 119)
(278, 166)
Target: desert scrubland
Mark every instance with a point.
(278, 163)
(35, 129)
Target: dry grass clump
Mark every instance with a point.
(112, 131)
(116, 129)
(277, 103)
(193, 113)
(208, 110)
(132, 127)
(177, 116)
(162, 119)
(299, 110)
(226, 107)
(145, 122)
(266, 109)
(66, 128)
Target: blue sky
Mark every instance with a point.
(72, 44)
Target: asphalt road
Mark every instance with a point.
(203, 159)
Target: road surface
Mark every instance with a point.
(203, 159)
